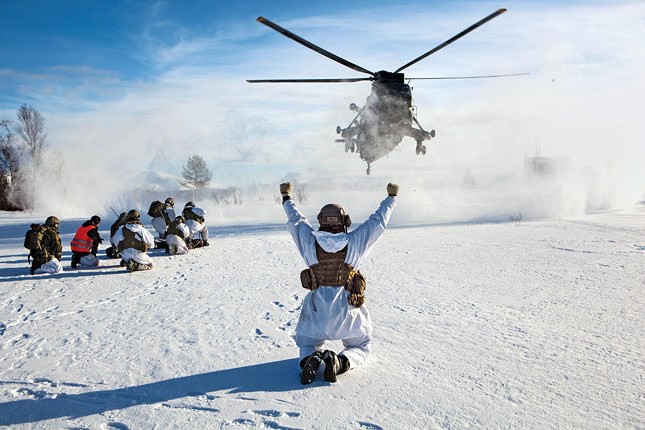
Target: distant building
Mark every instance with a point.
(545, 166)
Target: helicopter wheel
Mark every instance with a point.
(346, 146)
(338, 129)
(423, 150)
(418, 150)
(352, 147)
(369, 169)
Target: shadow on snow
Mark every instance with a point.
(11, 274)
(277, 376)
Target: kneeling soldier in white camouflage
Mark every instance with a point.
(333, 309)
(133, 240)
(176, 236)
(195, 219)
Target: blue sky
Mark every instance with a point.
(147, 84)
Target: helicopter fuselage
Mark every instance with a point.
(384, 120)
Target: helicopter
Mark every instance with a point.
(388, 114)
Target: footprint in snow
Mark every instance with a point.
(259, 333)
(369, 426)
(3, 327)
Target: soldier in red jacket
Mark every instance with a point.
(86, 242)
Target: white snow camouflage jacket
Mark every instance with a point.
(326, 314)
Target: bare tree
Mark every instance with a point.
(9, 151)
(31, 129)
(195, 173)
(9, 166)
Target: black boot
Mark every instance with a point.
(309, 365)
(334, 365)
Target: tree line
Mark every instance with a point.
(22, 145)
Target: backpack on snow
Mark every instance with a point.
(156, 209)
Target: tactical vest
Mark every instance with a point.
(130, 241)
(189, 214)
(82, 242)
(331, 270)
(172, 229)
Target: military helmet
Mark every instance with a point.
(189, 205)
(52, 221)
(332, 218)
(179, 219)
(96, 220)
(133, 215)
(170, 201)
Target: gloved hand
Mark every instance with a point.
(356, 300)
(285, 190)
(392, 189)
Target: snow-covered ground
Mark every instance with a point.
(535, 324)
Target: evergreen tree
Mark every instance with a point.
(195, 173)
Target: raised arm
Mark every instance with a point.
(297, 224)
(364, 237)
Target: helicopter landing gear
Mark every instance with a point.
(421, 149)
(369, 169)
(350, 146)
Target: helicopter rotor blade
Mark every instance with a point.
(310, 45)
(280, 81)
(472, 77)
(452, 39)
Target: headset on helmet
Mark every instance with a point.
(332, 218)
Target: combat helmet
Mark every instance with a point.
(179, 219)
(96, 220)
(170, 202)
(332, 218)
(52, 221)
(133, 215)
